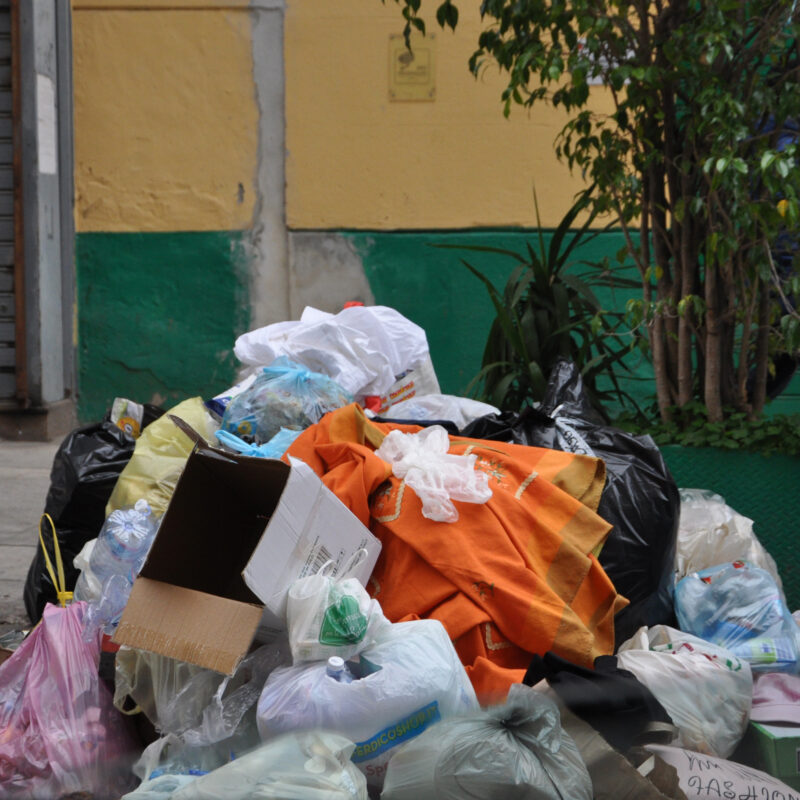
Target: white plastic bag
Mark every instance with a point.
(92, 585)
(438, 478)
(419, 680)
(711, 533)
(458, 410)
(517, 751)
(161, 788)
(299, 766)
(364, 348)
(702, 776)
(332, 616)
(706, 689)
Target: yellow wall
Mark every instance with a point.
(357, 160)
(166, 123)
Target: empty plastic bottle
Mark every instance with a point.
(124, 541)
(115, 561)
(338, 670)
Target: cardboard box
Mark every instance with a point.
(237, 533)
(775, 749)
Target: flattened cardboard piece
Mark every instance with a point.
(195, 627)
(5, 654)
(237, 533)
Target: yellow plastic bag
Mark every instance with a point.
(159, 458)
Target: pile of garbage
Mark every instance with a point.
(333, 581)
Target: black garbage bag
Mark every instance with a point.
(85, 469)
(640, 498)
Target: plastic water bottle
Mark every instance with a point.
(338, 670)
(124, 541)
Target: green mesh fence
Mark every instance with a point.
(764, 488)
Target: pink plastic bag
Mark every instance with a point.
(59, 732)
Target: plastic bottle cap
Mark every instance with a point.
(335, 664)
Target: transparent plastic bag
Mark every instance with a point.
(171, 755)
(208, 719)
(437, 478)
(411, 679)
(710, 533)
(332, 615)
(740, 607)
(706, 690)
(284, 395)
(198, 704)
(59, 732)
(517, 751)
(299, 766)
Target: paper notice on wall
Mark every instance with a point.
(46, 125)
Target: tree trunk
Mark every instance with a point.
(655, 329)
(711, 383)
(762, 351)
(687, 273)
(743, 402)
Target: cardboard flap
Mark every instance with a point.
(188, 430)
(307, 514)
(211, 632)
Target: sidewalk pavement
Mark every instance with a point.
(24, 480)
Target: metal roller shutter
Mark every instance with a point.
(7, 303)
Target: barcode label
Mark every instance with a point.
(322, 556)
(317, 559)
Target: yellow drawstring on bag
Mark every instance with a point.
(62, 594)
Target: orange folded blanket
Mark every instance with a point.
(514, 576)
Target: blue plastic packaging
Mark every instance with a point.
(284, 395)
(740, 607)
(274, 448)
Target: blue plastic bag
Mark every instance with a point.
(740, 607)
(274, 448)
(284, 395)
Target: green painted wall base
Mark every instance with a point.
(158, 314)
(431, 286)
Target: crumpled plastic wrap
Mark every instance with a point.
(517, 751)
(438, 478)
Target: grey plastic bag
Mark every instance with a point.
(516, 751)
